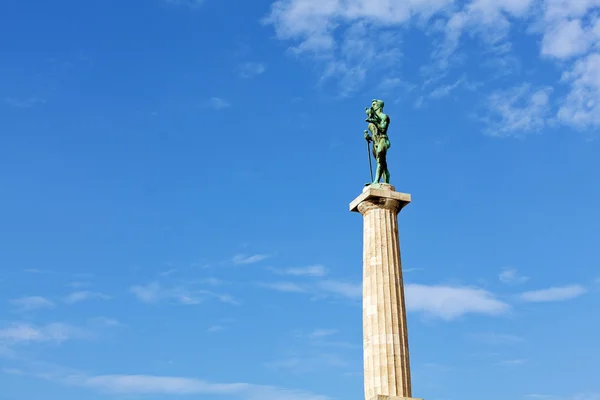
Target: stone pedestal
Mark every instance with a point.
(385, 334)
(392, 398)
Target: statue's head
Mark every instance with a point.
(377, 104)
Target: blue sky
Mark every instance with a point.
(176, 177)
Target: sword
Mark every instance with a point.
(369, 156)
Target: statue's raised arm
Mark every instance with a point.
(378, 127)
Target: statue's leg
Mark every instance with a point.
(379, 156)
(382, 170)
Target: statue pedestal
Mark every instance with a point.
(385, 334)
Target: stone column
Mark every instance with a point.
(385, 334)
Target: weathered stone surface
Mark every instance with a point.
(385, 335)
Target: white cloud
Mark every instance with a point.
(514, 362)
(325, 28)
(145, 384)
(391, 83)
(242, 259)
(251, 69)
(321, 333)
(308, 363)
(510, 276)
(77, 297)
(215, 328)
(489, 20)
(310, 270)
(79, 284)
(54, 332)
(581, 107)
(104, 322)
(345, 289)
(189, 3)
(565, 40)
(213, 281)
(340, 34)
(553, 294)
(352, 39)
(445, 90)
(311, 23)
(518, 110)
(155, 292)
(495, 339)
(149, 293)
(449, 302)
(24, 103)
(289, 287)
(218, 103)
(446, 302)
(30, 303)
(581, 396)
(35, 271)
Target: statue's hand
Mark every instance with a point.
(367, 137)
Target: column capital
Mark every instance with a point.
(380, 195)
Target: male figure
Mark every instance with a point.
(378, 126)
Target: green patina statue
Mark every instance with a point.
(378, 126)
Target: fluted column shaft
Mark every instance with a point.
(385, 333)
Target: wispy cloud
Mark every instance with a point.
(35, 271)
(581, 107)
(450, 302)
(517, 111)
(310, 270)
(514, 362)
(166, 385)
(446, 90)
(580, 396)
(250, 69)
(353, 43)
(102, 322)
(243, 259)
(149, 293)
(440, 301)
(79, 284)
(346, 41)
(495, 339)
(218, 103)
(391, 83)
(553, 294)
(55, 332)
(155, 292)
(321, 333)
(189, 3)
(289, 287)
(221, 325)
(25, 102)
(215, 328)
(345, 289)
(77, 297)
(308, 364)
(213, 281)
(30, 303)
(510, 276)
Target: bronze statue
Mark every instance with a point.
(378, 126)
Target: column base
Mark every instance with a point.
(384, 397)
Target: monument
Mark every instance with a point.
(385, 333)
